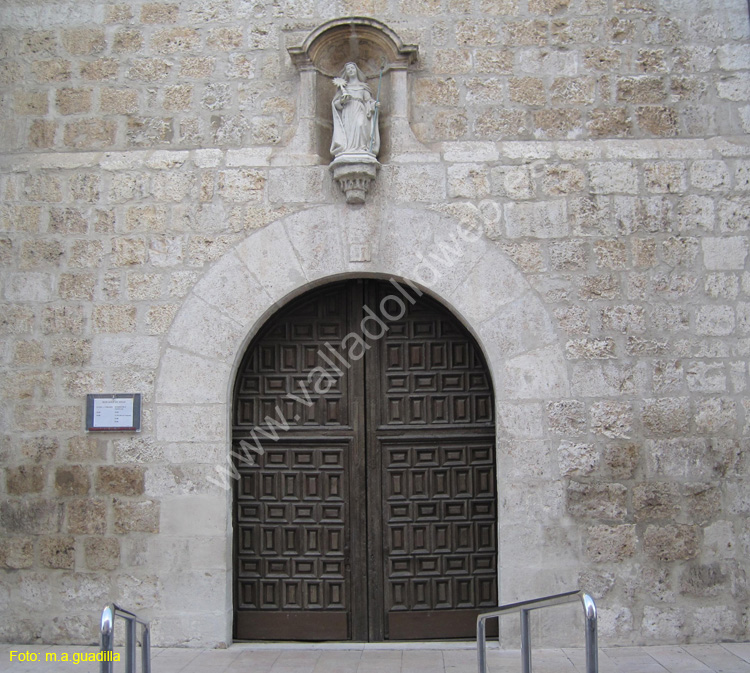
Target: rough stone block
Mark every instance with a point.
(102, 553)
(566, 417)
(25, 479)
(72, 480)
(577, 459)
(612, 419)
(86, 516)
(16, 553)
(656, 500)
(57, 552)
(527, 91)
(597, 501)
(611, 544)
(136, 516)
(666, 416)
(671, 543)
(120, 480)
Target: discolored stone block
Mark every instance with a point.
(102, 553)
(120, 480)
(159, 12)
(657, 120)
(72, 480)
(90, 134)
(666, 416)
(671, 543)
(73, 101)
(57, 552)
(597, 501)
(127, 40)
(86, 516)
(136, 516)
(16, 553)
(83, 41)
(608, 544)
(24, 479)
(656, 500)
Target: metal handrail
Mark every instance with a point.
(108, 639)
(525, 607)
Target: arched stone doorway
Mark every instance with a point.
(364, 436)
(224, 311)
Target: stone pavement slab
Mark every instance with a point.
(389, 658)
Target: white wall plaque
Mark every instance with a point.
(113, 413)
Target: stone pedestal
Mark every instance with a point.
(354, 172)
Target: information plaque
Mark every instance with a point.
(113, 413)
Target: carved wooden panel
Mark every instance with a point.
(433, 373)
(439, 518)
(282, 375)
(291, 516)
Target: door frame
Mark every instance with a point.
(369, 618)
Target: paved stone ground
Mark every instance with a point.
(725, 658)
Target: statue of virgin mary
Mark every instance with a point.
(355, 127)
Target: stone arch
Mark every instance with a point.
(465, 271)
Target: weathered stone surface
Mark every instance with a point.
(120, 480)
(597, 501)
(72, 480)
(671, 543)
(656, 500)
(86, 516)
(25, 479)
(16, 553)
(135, 516)
(149, 227)
(606, 544)
(57, 552)
(102, 553)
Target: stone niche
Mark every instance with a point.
(321, 57)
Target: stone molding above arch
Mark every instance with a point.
(474, 278)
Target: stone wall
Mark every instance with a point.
(150, 223)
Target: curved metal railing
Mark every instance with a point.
(108, 639)
(525, 607)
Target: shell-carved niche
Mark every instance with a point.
(379, 89)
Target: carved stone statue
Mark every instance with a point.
(355, 127)
(356, 137)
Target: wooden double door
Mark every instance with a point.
(363, 436)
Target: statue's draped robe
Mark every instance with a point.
(356, 123)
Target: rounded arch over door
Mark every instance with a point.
(363, 433)
(239, 291)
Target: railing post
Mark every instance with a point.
(525, 642)
(592, 644)
(107, 637)
(481, 645)
(130, 625)
(146, 650)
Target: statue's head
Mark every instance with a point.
(352, 70)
